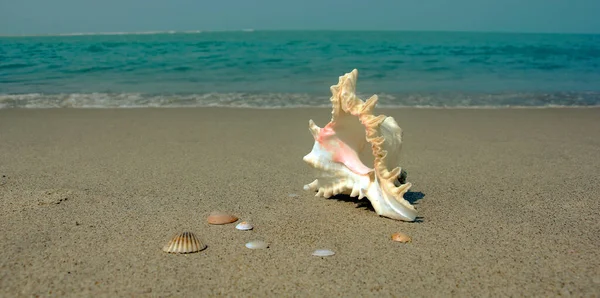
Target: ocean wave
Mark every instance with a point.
(296, 100)
(117, 33)
(9, 66)
(155, 32)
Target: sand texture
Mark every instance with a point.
(508, 201)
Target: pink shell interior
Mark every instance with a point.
(341, 152)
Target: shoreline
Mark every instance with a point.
(382, 107)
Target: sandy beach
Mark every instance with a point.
(508, 202)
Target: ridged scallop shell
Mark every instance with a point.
(184, 243)
(358, 154)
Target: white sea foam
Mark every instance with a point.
(133, 32)
(258, 101)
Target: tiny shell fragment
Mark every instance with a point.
(257, 244)
(244, 226)
(401, 237)
(184, 243)
(221, 218)
(323, 253)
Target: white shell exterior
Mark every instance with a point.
(257, 244)
(244, 226)
(323, 253)
(184, 243)
(358, 154)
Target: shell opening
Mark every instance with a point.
(346, 140)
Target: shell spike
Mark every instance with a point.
(392, 175)
(402, 189)
(335, 89)
(312, 186)
(314, 129)
(355, 192)
(369, 106)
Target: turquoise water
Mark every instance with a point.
(296, 68)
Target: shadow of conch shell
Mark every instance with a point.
(357, 154)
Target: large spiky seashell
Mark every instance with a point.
(357, 153)
(184, 243)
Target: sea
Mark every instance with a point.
(288, 69)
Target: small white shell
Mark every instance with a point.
(323, 253)
(257, 244)
(184, 243)
(244, 226)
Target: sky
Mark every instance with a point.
(70, 16)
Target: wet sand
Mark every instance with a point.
(508, 202)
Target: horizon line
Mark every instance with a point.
(152, 32)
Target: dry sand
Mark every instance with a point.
(509, 205)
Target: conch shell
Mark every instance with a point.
(357, 154)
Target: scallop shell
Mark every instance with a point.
(184, 243)
(358, 154)
(323, 253)
(401, 237)
(221, 218)
(257, 244)
(244, 226)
